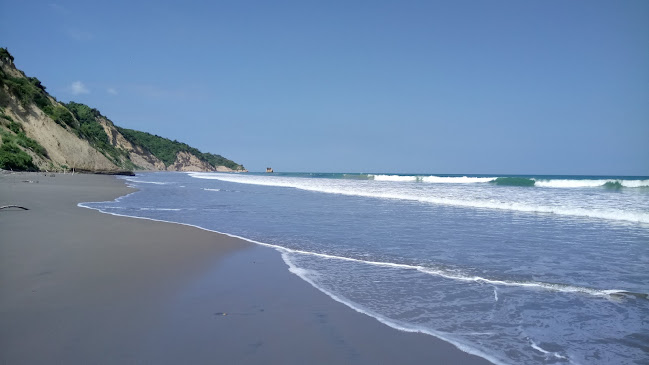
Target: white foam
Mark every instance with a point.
(538, 348)
(405, 327)
(206, 189)
(454, 275)
(456, 180)
(567, 183)
(635, 183)
(147, 182)
(333, 187)
(393, 178)
(432, 179)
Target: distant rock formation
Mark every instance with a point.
(269, 169)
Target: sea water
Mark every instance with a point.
(531, 269)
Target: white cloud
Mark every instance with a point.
(111, 91)
(78, 88)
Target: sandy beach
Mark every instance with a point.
(78, 286)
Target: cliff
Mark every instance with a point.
(39, 133)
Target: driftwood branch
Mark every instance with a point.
(13, 206)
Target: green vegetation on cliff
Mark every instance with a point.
(91, 130)
(78, 118)
(22, 140)
(12, 157)
(27, 89)
(85, 122)
(166, 149)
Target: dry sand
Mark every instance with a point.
(81, 287)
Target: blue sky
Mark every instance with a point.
(545, 87)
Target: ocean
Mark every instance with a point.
(516, 269)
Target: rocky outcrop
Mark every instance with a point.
(185, 161)
(188, 162)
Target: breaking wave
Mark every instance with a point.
(455, 180)
(608, 183)
(615, 214)
(395, 178)
(431, 179)
(513, 181)
(517, 181)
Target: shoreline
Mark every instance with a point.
(79, 286)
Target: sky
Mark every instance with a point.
(508, 87)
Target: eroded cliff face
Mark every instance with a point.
(188, 162)
(65, 143)
(142, 158)
(64, 149)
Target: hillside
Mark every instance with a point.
(39, 133)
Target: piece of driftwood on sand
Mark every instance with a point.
(13, 206)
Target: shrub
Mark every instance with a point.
(22, 140)
(27, 90)
(13, 158)
(15, 127)
(60, 115)
(27, 142)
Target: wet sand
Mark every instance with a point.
(78, 286)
